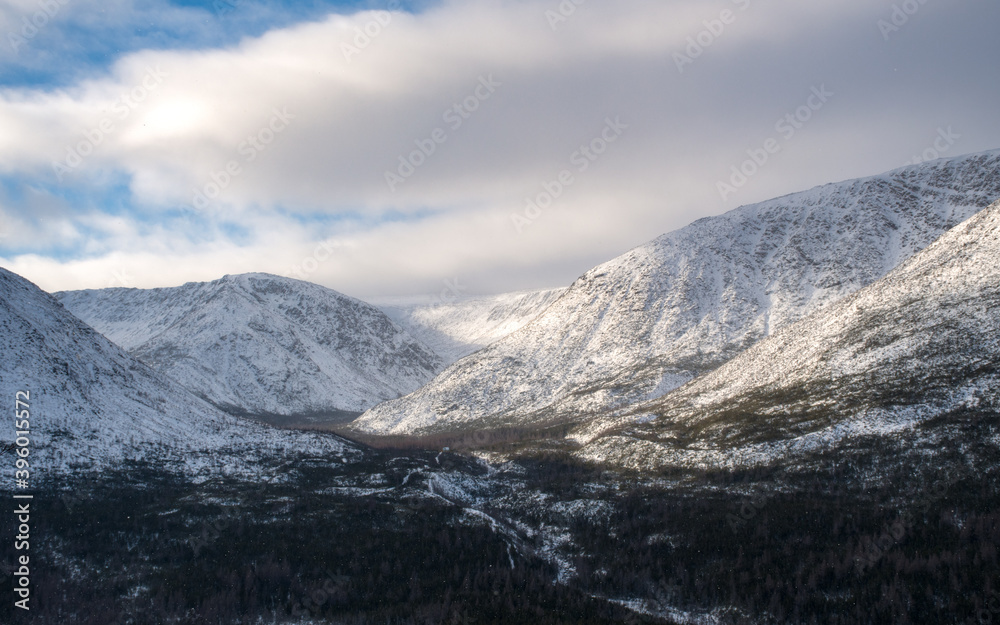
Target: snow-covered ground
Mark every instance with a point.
(921, 342)
(263, 345)
(653, 319)
(90, 405)
(462, 325)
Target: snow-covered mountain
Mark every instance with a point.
(922, 342)
(91, 405)
(651, 320)
(462, 325)
(262, 345)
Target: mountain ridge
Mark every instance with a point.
(665, 312)
(259, 344)
(92, 405)
(921, 342)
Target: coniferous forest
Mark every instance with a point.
(387, 540)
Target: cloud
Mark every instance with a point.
(416, 140)
(62, 41)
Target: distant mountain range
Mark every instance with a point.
(784, 414)
(682, 305)
(463, 325)
(91, 405)
(604, 356)
(279, 349)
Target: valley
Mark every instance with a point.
(785, 414)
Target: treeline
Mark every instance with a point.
(505, 438)
(882, 531)
(814, 544)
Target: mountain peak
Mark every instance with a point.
(263, 345)
(100, 405)
(665, 312)
(922, 342)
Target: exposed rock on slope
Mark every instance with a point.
(656, 317)
(921, 342)
(92, 405)
(263, 345)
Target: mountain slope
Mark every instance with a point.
(921, 342)
(455, 329)
(683, 304)
(93, 405)
(262, 345)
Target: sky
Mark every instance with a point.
(391, 147)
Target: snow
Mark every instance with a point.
(645, 323)
(263, 345)
(456, 328)
(93, 406)
(921, 342)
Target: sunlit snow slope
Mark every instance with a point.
(460, 326)
(90, 404)
(921, 342)
(651, 320)
(263, 345)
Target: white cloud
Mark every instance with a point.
(344, 122)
